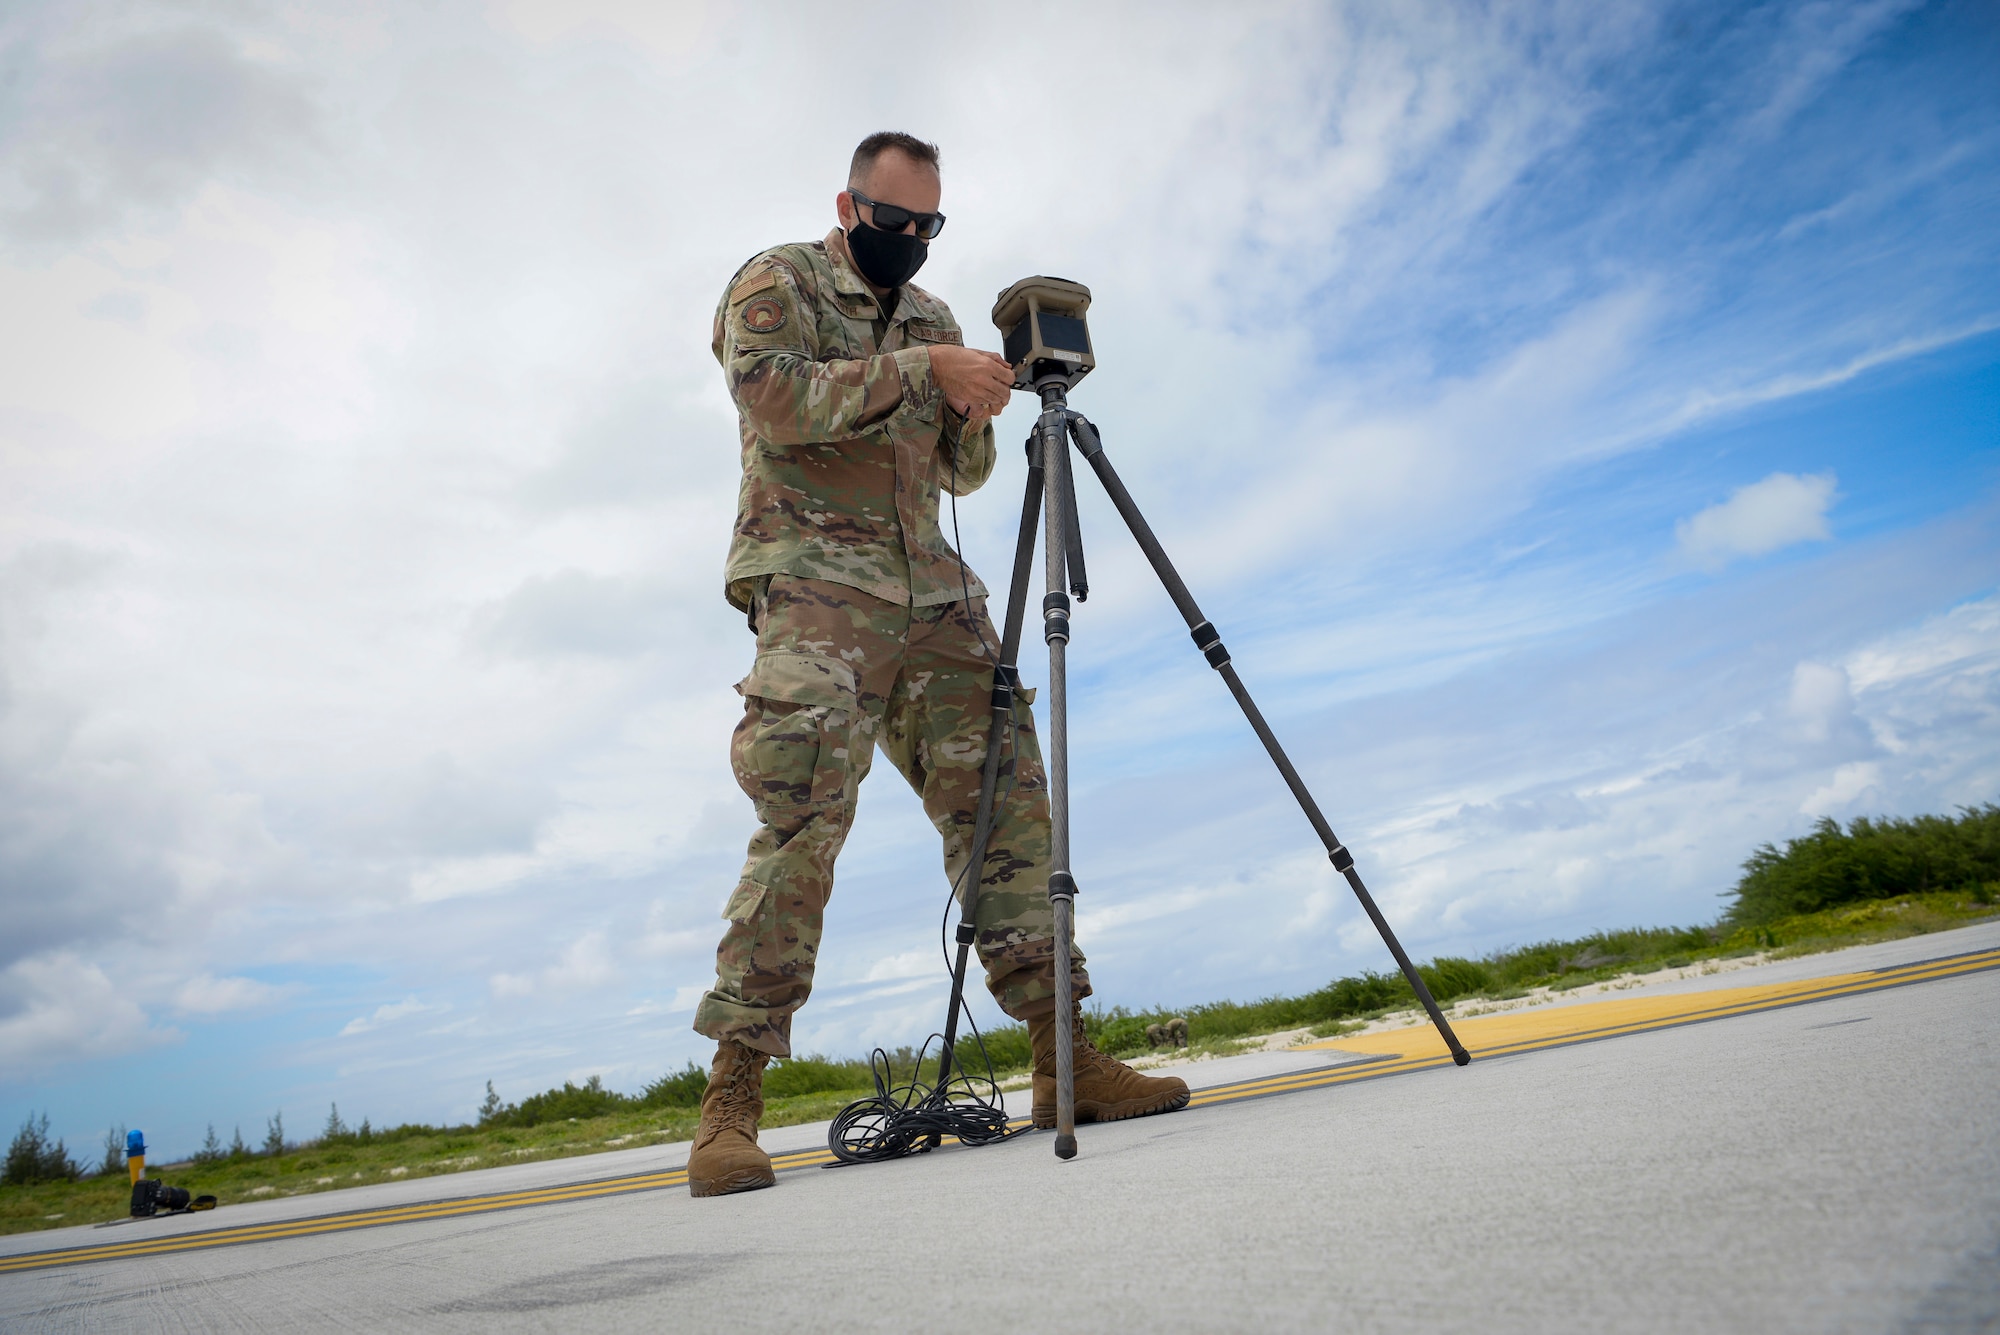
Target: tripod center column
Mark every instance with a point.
(1054, 429)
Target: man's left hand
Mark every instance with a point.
(972, 379)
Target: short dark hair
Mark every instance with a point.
(881, 141)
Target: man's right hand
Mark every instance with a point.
(973, 380)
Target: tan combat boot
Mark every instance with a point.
(726, 1157)
(1106, 1090)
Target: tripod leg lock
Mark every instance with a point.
(1341, 858)
(1085, 434)
(965, 934)
(1055, 617)
(1209, 641)
(1062, 885)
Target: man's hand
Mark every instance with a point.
(974, 381)
(975, 422)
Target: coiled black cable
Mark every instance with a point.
(913, 1117)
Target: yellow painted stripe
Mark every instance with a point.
(1393, 1053)
(387, 1215)
(1420, 1048)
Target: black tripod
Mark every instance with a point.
(1052, 489)
(913, 1116)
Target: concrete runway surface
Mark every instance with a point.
(1829, 1166)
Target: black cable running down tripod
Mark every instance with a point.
(1209, 642)
(1005, 677)
(899, 1120)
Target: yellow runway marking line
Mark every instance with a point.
(395, 1214)
(1393, 1053)
(1420, 1047)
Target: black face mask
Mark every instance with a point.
(886, 259)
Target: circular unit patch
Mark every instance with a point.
(764, 316)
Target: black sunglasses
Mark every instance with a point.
(894, 217)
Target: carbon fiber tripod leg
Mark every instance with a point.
(1209, 642)
(1059, 523)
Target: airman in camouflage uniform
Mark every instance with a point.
(859, 405)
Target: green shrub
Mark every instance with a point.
(1007, 1047)
(678, 1089)
(33, 1157)
(113, 1162)
(211, 1150)
(1120, 1031)
(1448, 977)
(1871, 859)
(793, 1076)
(589, 1099)
(1346, 997)
(367, 1134)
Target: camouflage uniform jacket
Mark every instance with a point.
(846, 438)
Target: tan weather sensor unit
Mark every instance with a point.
(1043, 331)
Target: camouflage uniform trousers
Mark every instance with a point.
(839, 672)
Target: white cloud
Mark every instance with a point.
(585, 963)
(1820, 700)
(1783, 509)
(1703, 403)
(1963, 640)
(388, 1014)
(1848, 785)
(658, 942)
(60, 1008)
(209, 995)
(907, 964)
(682, 1002)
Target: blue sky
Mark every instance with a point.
(1582, 420)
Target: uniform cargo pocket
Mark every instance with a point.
(792, 747)
(801, 678)
(744, 905)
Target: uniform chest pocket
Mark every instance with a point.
(841, 341)
(794, 746)
(846, 333)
